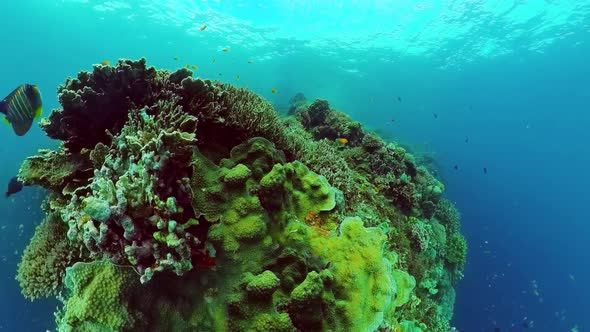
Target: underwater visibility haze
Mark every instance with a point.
(297, 165)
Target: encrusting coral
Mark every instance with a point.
(189, 204)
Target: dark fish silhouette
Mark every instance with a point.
(14, 186)
(456, 167)
(399, 99)
(496, 329)
(466, 139)
(435, 115)
(485, 170)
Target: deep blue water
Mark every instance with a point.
(524, 108)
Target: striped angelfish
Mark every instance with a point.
(21, 106)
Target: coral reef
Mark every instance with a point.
(188, 204)
(296, 103)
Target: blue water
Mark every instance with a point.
(511, 76)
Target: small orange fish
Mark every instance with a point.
(273, 90)
(342, 140)
(226, 49)
(106, 63)
(195, 67)
(203, 27)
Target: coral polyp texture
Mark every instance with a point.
(182, 204)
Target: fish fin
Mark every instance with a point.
(5, 120)
(3, 107)
(22, 128)
(38, 112)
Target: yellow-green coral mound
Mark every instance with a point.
(97, 300)
(362, 280)
(45, 259)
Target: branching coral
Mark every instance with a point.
(136, 211)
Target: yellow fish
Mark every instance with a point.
(187, 66)
(195, 67)
(342, 140)
(176, 58)
(106, 63)
(203, 27)
(250, 61)
(226, 49)
(273, 90)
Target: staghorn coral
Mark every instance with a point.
(236, 216)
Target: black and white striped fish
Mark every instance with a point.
(21, 106)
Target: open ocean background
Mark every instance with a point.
(510, 77)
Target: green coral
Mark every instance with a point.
(45, 259)
(96, 208)
(457, 250)
(292, 187)
(97, 298)
(262, 285)
(54, 169)
(405, 284)
(362, 274)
